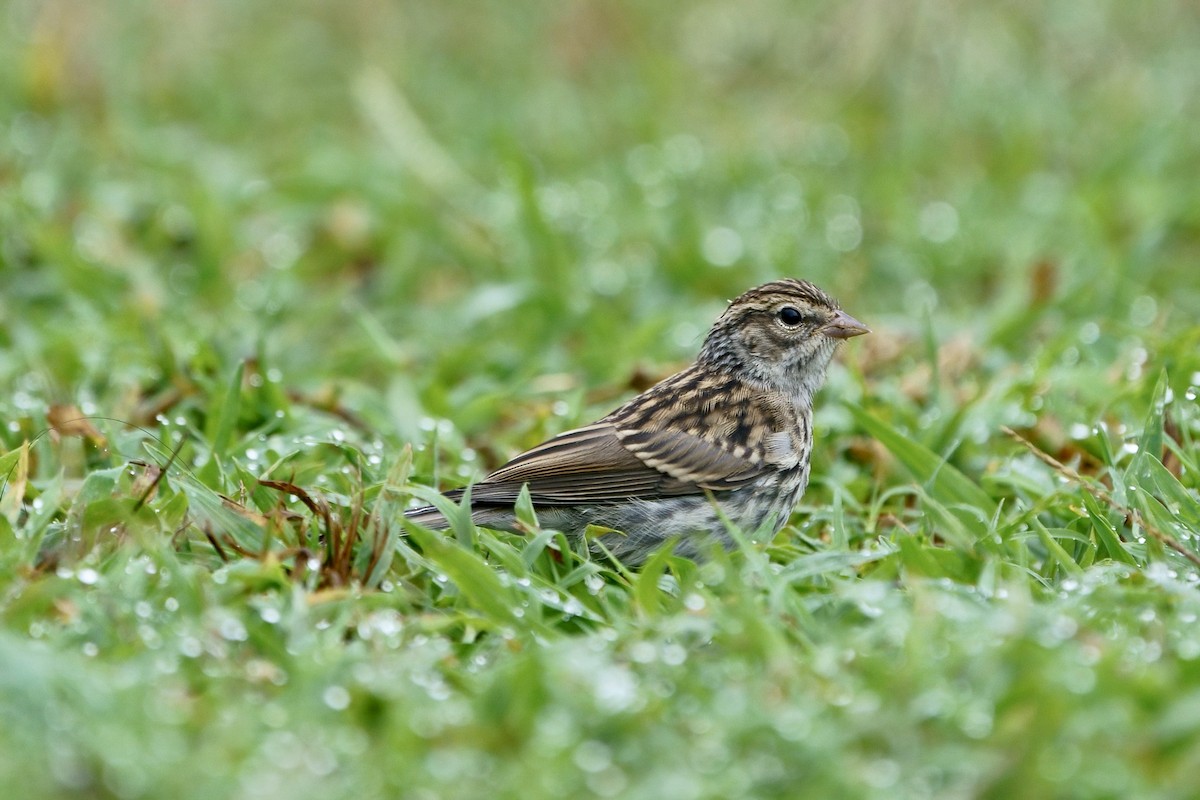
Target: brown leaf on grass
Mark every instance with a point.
(145, 484)
(68, 420)
(66, 610)
(327, 400)
(957, 357)
(1043, 281)
(242, 511)
(957, 364)
(287, 487)
(882, 350)
(1169, 459)
(868, 452)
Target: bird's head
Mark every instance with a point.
(781, 334)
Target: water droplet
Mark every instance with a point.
(722, 246)
(843, 232)
(336, 697)
(592, 756)
(1143, 310)
(938, 222)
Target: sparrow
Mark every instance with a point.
(726, 441)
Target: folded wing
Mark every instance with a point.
(602, 463)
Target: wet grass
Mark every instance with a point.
(263, 279)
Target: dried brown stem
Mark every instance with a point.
(1103, 496)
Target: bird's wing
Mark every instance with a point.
(605, 463)
(687, 435)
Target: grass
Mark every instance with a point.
(267, 277)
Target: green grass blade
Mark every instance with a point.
(942, 480)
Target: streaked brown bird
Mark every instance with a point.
(729, 436)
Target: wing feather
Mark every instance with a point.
(602, 463)
(641, 451)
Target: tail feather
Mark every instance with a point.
(427, 516)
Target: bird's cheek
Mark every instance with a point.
(756, 346)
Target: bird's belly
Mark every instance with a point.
(699, 523)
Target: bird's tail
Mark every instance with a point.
(427, 516)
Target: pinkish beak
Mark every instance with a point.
(843, 326)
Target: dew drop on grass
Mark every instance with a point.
(88, 576)
(90, 649)
(1188, 649)
(683, 154)
(673, 654)
(592, 756)
(976, 722)
(232, 629)
(722, 246)
(882, 773)
(643, 652)
(1143, 310)
(843, 232)
(938, 222)
(149, 637)
(336, 697)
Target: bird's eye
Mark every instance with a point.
(790, 316)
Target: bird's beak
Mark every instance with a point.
(843, 326)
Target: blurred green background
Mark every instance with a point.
(466, 227)
(367, 192)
